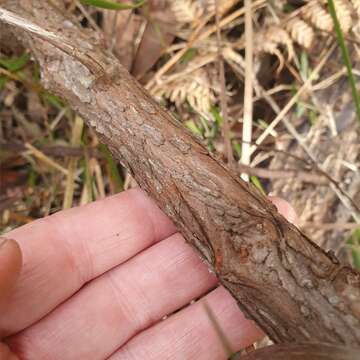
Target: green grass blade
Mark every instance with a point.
(190, 124)
(255, 180)
(346, 57)
(189, 55)
(16, 63)
(112, 5)
(3, 80)
(52, 100)
(237, 148)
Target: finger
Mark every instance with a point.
(66, 250)
(114, 307)
(285, 209)
(10, 266)
(190, 334)
(194, 336)
(6, 354)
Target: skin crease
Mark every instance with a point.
(97, 281)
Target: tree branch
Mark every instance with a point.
(303, 352)
(295, 291)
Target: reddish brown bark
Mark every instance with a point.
(303, 352)
(294, 290)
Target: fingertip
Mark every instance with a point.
(10, 266)
(163, 225)
(285, 209)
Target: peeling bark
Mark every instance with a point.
(295, 291)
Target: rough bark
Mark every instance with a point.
(295, 291)
(303, 352)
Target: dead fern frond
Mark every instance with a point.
(301, 32)
(356, 5)
(195, 88)
(224, 5)
(186, 11)
(270, 41)
(318, 16)
(315, 16)
(343, 13)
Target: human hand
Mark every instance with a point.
(10, 266)
(97, 281)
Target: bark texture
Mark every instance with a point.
(295, 291)
(303, 352)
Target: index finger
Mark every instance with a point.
(64, 251)
(10, 266)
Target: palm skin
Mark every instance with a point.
(97, 282)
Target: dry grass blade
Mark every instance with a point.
(100, 186)
(220, 333)
(223, 99)
(248, 92)
(196, 36)
(45, 159)
(72, 165)
(293, 100)
(176, 58)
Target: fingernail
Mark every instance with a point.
(3, 241)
